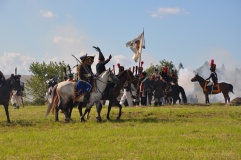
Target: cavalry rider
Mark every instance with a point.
(163, 74)
(2, 78)
(71, 77)
(121, 68)
(100, 68)
(85, 75)
(213, 75)
(173, 77)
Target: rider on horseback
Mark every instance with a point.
(100, 67)
(173, 77)
(213, 75)
(2, 78)
(85, 75)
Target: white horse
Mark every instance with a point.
(63, 95)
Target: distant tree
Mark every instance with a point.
(42, 72)
(163, 63)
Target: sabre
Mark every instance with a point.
(81, 63)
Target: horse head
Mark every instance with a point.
(14, 81)
(195, 78)
(113, 78)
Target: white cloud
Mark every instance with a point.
(10, 60)
(162, 12)
(61, 39)
(47, 14)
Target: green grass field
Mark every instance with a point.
(169, 132)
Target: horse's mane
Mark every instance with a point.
(200, 77)
(102, 74)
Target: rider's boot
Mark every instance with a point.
(87, 97)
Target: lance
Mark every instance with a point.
(136, 69)
(15, 70)
(114, 68)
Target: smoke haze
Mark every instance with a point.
(193, 89)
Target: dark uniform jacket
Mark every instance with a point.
(214, 77)
(83, 72)
(2, 78)
(100, 67)
(158, 88)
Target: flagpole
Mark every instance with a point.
(141, 51)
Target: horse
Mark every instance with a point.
(174, 94)
(223, 87)
(64, 94)
(124, 76)
(13, 82)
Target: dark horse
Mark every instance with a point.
(174, 94)
(124, 76)
(225, 88)
(13, 82)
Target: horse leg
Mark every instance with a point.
(120, 111)
(87, 109)
(7, 112)
(207, 98)
(98, 108)
(227, 98)
(80, 105)
(57, 113)
(109, 108)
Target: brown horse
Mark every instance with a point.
(223, 87)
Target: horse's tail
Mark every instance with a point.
(184, 97)
(53, 97)
(231, 88)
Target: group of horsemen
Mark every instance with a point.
(146, 87)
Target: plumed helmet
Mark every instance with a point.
(212, 65)
(164, 69)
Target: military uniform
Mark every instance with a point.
(85, 75)
(213, 74)
(100, 68)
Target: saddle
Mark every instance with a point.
(212, 88)
(82, 87)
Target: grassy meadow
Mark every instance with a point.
(169, 132)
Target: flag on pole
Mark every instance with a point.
(136, 46)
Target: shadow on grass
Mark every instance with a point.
(22, 123)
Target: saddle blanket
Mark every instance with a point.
(212, 89)
(81, 87)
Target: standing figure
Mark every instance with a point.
(128, 94)
(158, 91)
(17, 95)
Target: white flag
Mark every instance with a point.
(136, 46)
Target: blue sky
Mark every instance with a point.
(186, 31)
